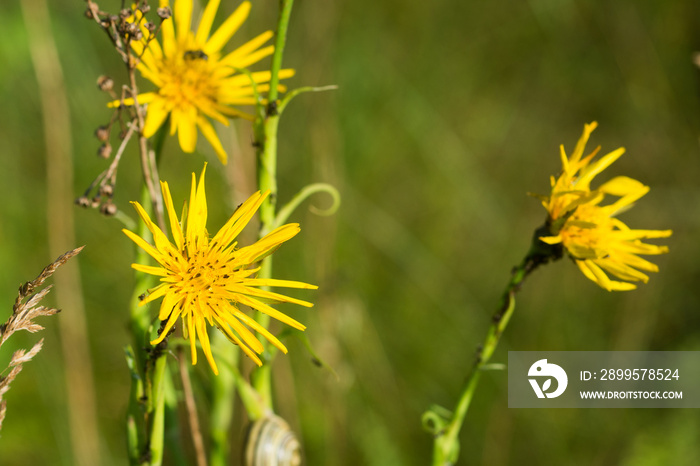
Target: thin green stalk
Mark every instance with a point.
(280, 41)
(140, 322)
(146, 411)
(157, 415)
(266, 137)
(223, 390)
(446, 443)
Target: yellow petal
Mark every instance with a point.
(149, 269)
(266, 245)
(154, 294)
(210, 134)
(206, 347)
(168, 305)
(182, 14)
(238, 221)
(241, 80)
(187, 131)
(581, 144)
(551, 239)
(192, 335)
(156, 114)
(241, 330)
(168, 33)
(237, 341)
(590, 172)
(247, 60)
(274, 313)
(227, 29)
(150, 250)
(205, 23)
(197, 214)
(594, 273)
(172, 216)
(279, 283)
(171, 321)
(621, 186)
(246, 49)
(622, 271)
(262, 330)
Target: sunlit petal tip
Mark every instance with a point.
(551, 239)
(590, 127)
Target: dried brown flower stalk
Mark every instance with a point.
(123, 29)
(22, 318)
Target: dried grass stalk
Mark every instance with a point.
(22, 318)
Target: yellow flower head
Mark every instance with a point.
(195, 81)
(203, 280)
(598, 242)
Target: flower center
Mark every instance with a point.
(188, 79)
(587, 232)
(203, 276)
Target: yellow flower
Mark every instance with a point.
(203, 280)
(599, 243)
(195, 81)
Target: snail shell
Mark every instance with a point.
(271, 442)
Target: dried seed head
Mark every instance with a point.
(107, 190)
(164, 12)
(95, 202)
(151, 27)
(83, 201)
(134, 31)
(145, 8)
(105, 83)
(105, 150)
(102, 133)
(108, 209)
(125, 13)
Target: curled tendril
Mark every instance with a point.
(302, 195)
(436, 419)
(291, 94)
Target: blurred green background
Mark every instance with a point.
(447, 114)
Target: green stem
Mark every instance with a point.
(157, 415)
(446, 443)
(145, 417)
(140, 322)
(223, 391)
(280, 41)
(266, 138)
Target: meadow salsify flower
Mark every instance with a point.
(204, 280)
(195, 81)
(594, 237)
